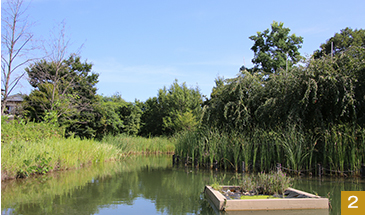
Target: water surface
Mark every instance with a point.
(140, 185)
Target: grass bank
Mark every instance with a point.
(29, 148)
(21, 158)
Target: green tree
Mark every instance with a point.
(275, 49)
(65, 89)
(233, 101)
(152, 115)
(113, 115)
(323, 93)
(175, 109)
(334, 89)
(340, 42)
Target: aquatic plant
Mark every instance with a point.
(275, 182)
(339, 148)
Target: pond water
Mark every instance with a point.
(140, 185)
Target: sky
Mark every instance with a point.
(140, 46)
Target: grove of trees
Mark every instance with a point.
(324, 90)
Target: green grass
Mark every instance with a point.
(140, 145)
(22, 158)
(340, 149)
(29, 148)
(259, 197)
(14, 130)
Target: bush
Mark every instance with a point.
(266, 184)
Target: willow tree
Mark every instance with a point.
(335, 88)
(233, 101)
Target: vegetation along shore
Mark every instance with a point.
(298, 112)
(38, 148)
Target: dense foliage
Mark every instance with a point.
(173, 110)
(340, 42)
(325, 91)
(301, 116)
(14, 131)
(275, 49)
(63, 92)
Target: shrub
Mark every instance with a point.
(267, 184)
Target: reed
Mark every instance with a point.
(345, 147)
(294, 145)
(341, 148)
(246, 151)
(236, 145)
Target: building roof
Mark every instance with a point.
(15, 98)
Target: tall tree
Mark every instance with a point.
(275, 49)
(340, 42)
(15, 44)
(63, 89)
(64, 86)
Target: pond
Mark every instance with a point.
(139, 185)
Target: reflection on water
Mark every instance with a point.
(138, 185)
(330, 188)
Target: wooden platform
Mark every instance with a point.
(299, 200)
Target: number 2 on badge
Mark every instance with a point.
(351, 205)
(352, 202)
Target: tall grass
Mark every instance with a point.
(339, 148)
(295, 148)
(21, 158)
(344, 147)
(29, 148)
(14, 130)
(139, 145)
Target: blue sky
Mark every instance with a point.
(140, 46)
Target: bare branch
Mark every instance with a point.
(15, 45)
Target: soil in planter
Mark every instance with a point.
(233, 193)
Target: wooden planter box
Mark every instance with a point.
(301, 200)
